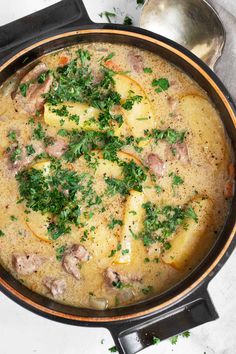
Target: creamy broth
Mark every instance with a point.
(141, 204)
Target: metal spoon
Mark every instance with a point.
(192, 23)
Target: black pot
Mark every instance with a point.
(187, 304)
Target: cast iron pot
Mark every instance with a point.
(187, 304)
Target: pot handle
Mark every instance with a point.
(62, 15)
(194, 311)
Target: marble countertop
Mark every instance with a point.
(22, 332)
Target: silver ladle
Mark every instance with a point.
(191, 23)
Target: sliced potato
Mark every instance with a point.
(109, 168)
(88, 116)
(38, 225)
(42, 165)
(140, 117)
(132, 224)
(186, 241)
(200, 116)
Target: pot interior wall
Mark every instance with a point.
(230, 128)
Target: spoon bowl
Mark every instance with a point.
(191, 23)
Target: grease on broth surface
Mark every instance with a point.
(112, 194)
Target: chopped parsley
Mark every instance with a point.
(176, 180)
(174, 339)
(127, 20)
(147, 290)
(155, 340)
(113, 349)
(114, 222)
(109, 57)
(186, 334)
(134, 176)
(13, 218)
(12, 135)
(45, 194)
(59, 252)
(42, 77)
(128, 104)
(124, 252)
(30, 150)
(172, 136)
(84, 56)
(38, 133)
(61, 112)
(108, 15)
(2, 233)
(147, 70)
(162, 84)
(24, 88)
(161, 222)
(16, 154)
(113, 252)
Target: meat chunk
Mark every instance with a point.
(156, 165)
(57, 149)
(111, 277)
(135, 61)
(33, 100)
(26, 264)
(56, 287)
(73, 256)
(180, 151)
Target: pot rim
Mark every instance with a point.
(148, 36)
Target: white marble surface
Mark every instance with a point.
(22, 332)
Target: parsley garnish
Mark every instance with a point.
(113, 349)
(161, 222)
(186, 334)
(127, 20)
(147, 70)
(2, 233)
(163, 84)
(147, 290)
(45, 194)
(59, 252)
(42, 77)
(174, 339)
(107, 14)
(24, 88)
(172, 136)
(114, 222)
(155, 340)
(38, 132)
(84, 56)
(128, 104)
(61, 112)
(109, 57)
(134, 176)
(176, 180)
(30, 150)
(12, 135)
(113, 252)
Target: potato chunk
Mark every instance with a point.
(203, 122)
(80, 116)
(140, 117)
(132, 224)
(185, 242)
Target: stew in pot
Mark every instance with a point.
(116, 175)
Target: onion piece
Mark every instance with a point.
(98, 303)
